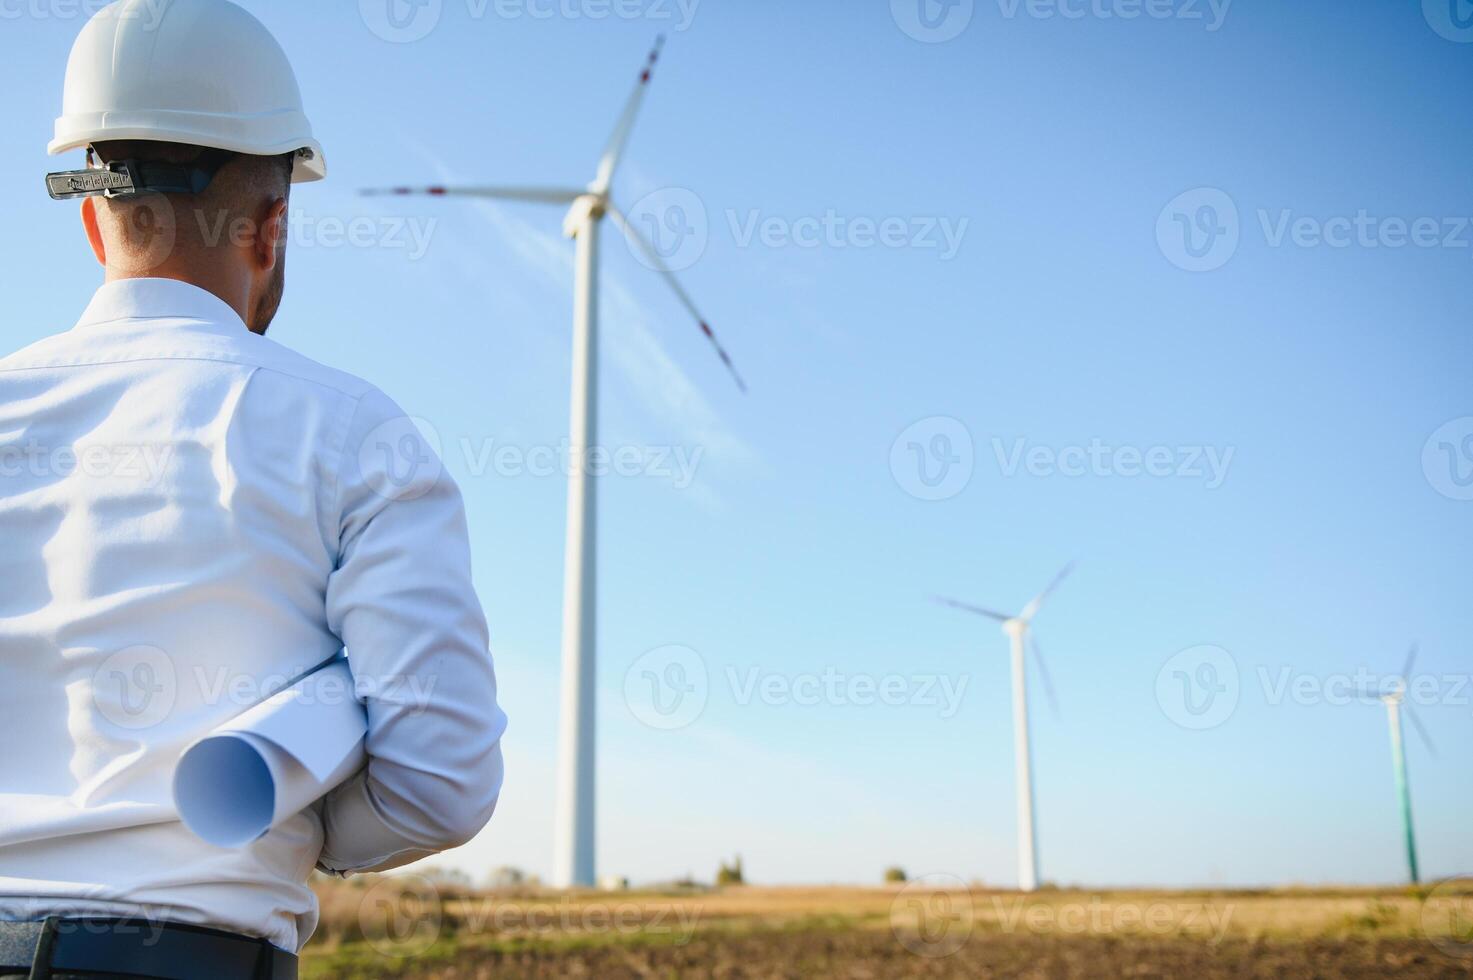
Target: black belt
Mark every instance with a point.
(138, 947)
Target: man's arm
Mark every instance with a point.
(401, 601)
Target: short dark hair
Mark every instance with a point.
(139, 226)
(154, 151)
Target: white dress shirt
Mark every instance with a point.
(191, 515)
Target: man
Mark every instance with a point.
(192, 515)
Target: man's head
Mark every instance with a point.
(198, 84)
(230, 239)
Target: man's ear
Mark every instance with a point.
(94, 232)
(271, 242)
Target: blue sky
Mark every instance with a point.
(1066, 156)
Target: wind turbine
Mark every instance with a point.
(1019, 631)
(1393, 695)
(574, 823)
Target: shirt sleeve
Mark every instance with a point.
(402, 602)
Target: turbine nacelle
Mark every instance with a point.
(592, 205)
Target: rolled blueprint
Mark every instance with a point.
(274, 760)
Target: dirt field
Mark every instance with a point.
(408, 928)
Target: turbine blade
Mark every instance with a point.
(614, 151)
(1048, 681)
(1406, 669)
(653, 257)
(1421, 729)
(1031, 610)
(540, 195)
(967, 607)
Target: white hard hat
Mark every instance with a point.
(203, 72)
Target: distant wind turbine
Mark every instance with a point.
(1019, 631)
(1393, 695)
(574, 825)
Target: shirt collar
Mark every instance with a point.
(158, 299)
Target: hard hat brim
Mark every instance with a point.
(195, 129)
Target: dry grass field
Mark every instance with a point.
(408, 928)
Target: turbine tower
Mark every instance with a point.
(574, 863)
(1393, 695)
(1020, 635)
